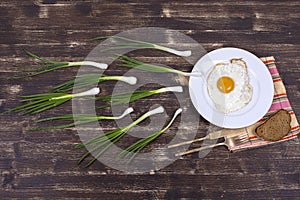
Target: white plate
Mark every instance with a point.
(260, 80)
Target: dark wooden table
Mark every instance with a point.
(42, 164)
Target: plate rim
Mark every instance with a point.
(224, 124)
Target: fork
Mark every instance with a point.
(211, 136)
(229, 142)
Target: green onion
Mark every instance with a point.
(137, 44)
(40, 102)
(49, 65)
(90, 80)
(79, 119)
(135, 148)
(105, 141)
(127, 97)
(133, 63)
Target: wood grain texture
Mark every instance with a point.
(42, 164)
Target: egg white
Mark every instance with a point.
(240, 96)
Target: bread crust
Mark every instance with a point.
(276, 127)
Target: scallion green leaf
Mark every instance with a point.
(40, 102)
(133, 149)
(126, 61)
(86, 80)
(79, 119)
(49, 65)
(137, 44)
(127, 97)
(102, 142)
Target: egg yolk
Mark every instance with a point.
(225, 84)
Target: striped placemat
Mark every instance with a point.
(280, 101)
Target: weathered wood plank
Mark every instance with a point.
(286, 181)
(42, 164)
(83, 193)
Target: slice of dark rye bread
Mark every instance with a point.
(276, 127)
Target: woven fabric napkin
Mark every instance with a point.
(280, 101)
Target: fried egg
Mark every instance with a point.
(229, 86)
